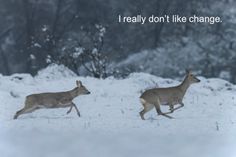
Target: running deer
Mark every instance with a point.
(166, 96)
(53, 100)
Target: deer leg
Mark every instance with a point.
(158, 109)
(142, 114)
(69, 109)
(181, 105)
(171, 108)
(147, 107)
(165, 115)
(77, 110)
(24, 111)
(18, 113)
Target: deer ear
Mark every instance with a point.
(188, 71)
(78, 83)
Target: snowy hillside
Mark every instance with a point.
(162, 61)
(110, 124)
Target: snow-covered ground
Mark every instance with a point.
(110, 124)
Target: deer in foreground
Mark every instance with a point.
(166, 96)
(53, 100)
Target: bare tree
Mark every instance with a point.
(93, 60)
(3, 55)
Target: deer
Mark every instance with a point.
(53, 100)
(169, 96)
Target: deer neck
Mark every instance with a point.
(184, 85)
(73, 93)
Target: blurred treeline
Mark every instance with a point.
(86, 36)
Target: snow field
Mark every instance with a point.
(110, 124)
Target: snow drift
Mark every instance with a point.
(110, 124)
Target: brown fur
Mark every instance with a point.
(53, 100)
(166, 96)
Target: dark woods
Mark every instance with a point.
(86, 37)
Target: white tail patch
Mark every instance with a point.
(142, 101)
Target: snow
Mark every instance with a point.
(110, 124)
(162, 61)
(37, 45)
